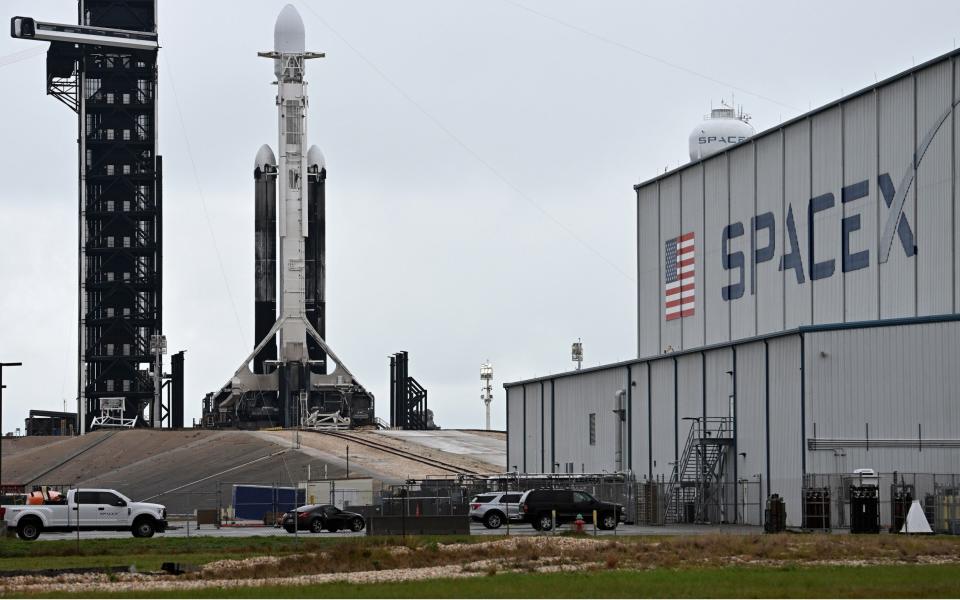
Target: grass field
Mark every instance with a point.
(714, 565)
(910, 581)
(148, 554)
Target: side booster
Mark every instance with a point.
(265, 254)
(315, 302)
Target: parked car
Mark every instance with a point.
(537, 506)
(494, 508)
(91, 510)
(317, 517)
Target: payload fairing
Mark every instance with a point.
(290, 384)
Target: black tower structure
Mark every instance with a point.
(120, 214)
(408, 399)
(109, 78)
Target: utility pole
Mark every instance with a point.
(576, 352)
(486, 392)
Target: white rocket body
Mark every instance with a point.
(291, 179)
(292, 389)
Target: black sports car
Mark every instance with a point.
(317, 517)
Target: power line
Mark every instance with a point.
(16, 57)
(647, 55)
(467, 148)
(203, 202)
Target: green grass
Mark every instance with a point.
(148, 554)
(927, 581)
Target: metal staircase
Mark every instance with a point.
(695, 482)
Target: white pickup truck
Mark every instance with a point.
(91, 510)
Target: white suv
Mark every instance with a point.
(492, 508)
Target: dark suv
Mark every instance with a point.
(537, 508)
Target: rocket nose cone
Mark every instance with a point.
(288, 36)
(265, 157)
(315, 158)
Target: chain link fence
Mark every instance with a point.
(868, 502)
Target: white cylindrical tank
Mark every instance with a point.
(722, 128)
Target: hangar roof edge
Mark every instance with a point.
(949, 318)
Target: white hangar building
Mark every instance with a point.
(798, 307)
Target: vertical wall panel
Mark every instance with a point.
(533, 436)
(719, 382)
(550, 432)
(897, 144)
(649, 293)
(934, 192)
(515, 431)
(689, 394)
(796, 196)
(670, 336)
(786, 441)
(955, 218)
(691, 214)
(751, 422)
(743, 310)
(716, 198)
(827, 179)
(640, 421)
(663, 429)
(768, 286)
(861, 300)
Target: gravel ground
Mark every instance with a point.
(545, 553)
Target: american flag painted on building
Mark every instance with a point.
(679, 287)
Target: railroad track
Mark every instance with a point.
(439, 464)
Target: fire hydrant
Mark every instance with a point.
(578, 524)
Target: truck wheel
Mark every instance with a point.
(143, 527)
(29, 529)
(493, 520)
(544, 522)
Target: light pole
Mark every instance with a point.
(486, 376)
(2, 365)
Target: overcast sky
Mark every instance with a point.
(480, 158)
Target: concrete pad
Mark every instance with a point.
(488, 449)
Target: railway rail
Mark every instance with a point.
(445, 466)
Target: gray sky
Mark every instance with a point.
(480, 157)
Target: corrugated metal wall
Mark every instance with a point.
(515, 428)
(840, 166)
(894, 382)
(785, 467)
(575, 398)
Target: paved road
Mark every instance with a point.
(181, 530)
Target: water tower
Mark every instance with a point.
(722, 128)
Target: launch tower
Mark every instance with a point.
(105, 70)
